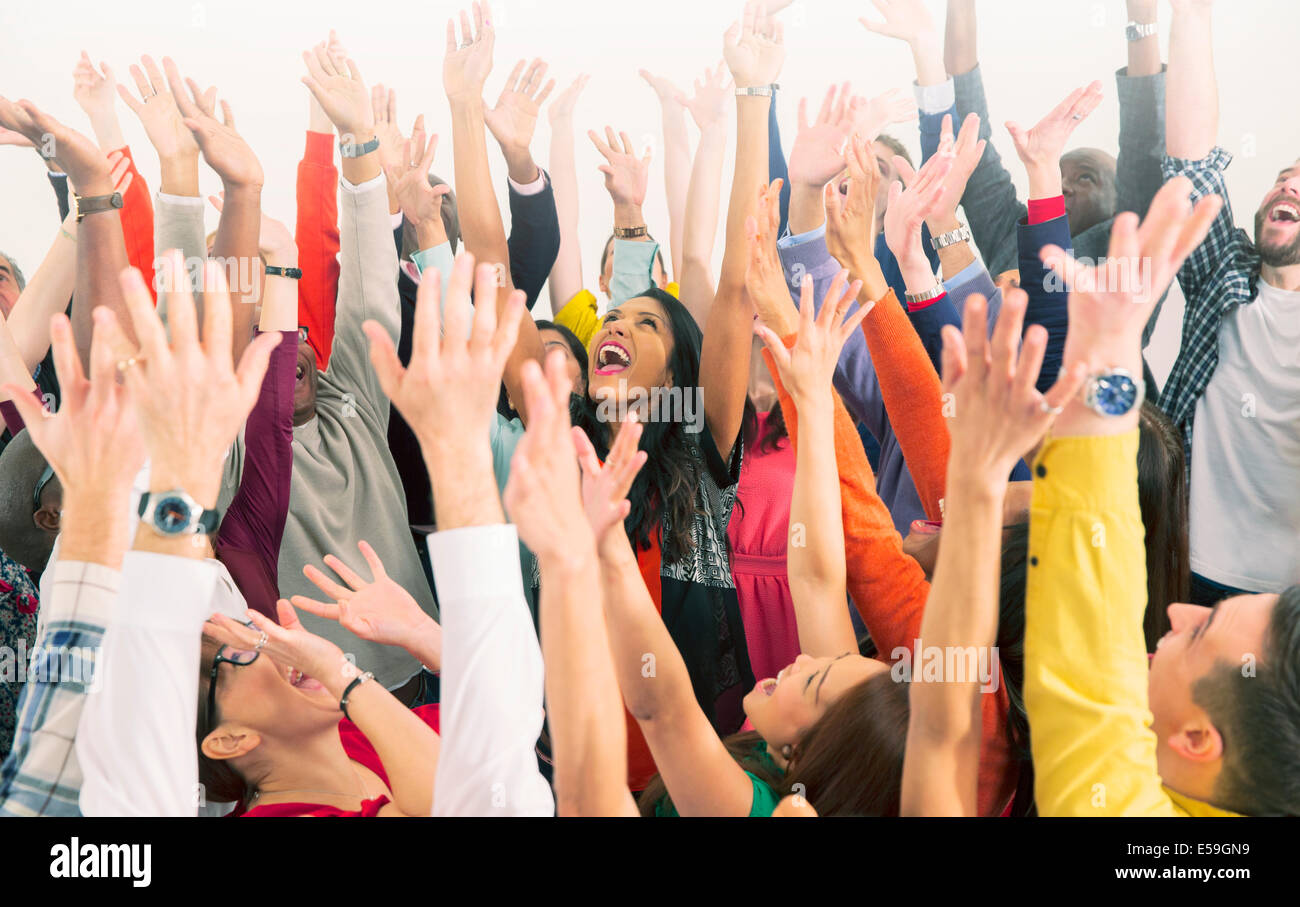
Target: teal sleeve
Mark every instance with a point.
(633, 269)
(765, 799)
(439, 257)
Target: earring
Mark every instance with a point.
(786, 752)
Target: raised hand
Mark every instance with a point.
(562, 107)
(908, 210)
(454, 375)
(466, 66)
(15, 139)
(885, 109)
(223, 148)
(93, 442)
(158, 112)
(383, 102)
(906, 20)
(1040, 148)
(666, 91)
(421, 203)
(1110, 305)
(850, 218)
(275, 241)
(754, 48)
(341, 93)
(818, 152)
(708, 106)
(806, 369)
(764, 274)
(85, 164)
(965, 153)
(94, 90)
(543, 495)
(378, 610)
(605, 486)
(998, 414)
(514, 118)
(190, 399)
(288, 644)
(626, 175)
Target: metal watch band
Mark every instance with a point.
(93, 204)
(630, 232)
(765, 91)
(1136, 31)
(933, 293)
(951, 238)
(277, 271)
(350, 149)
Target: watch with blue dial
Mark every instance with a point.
(175, 513)
(1114, 392)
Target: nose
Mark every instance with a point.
(1182, 617)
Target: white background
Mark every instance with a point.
(1032, 53)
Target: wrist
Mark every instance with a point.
(628, 214)
(179, 175)
(575, 557)
(917, 274)
(927, 57)
(1044, 180)
(943, 223)
(807, 209)
(520, 164)
(92, 527)
(94, 184)
(430, 233)
(203, 485)
(286, 257)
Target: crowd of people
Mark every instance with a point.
(886, 516)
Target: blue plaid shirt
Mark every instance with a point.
(1220, 275)
(41, 776)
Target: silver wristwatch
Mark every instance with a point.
(766, 91)
(933, 293)
(1136, 31)
(951, 238)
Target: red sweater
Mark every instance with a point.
(317, 235)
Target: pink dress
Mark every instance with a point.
(758, 533)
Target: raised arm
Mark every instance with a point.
(1192, 87)
(996, 416)
(816, 557)
(818, 155)
(545, 500)
(754, 53)
(566, 273)
(708, 108)
(960, 48)
(677, 163)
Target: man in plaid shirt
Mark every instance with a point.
(1237, 376)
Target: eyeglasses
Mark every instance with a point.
(227, 655)
(46, 474)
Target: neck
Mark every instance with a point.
(318, 764)
(1284, 278)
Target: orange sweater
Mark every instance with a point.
(913, 398)
(888, 587)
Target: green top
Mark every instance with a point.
(765, 797)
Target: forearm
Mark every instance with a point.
(816, 562)
(1143, 54)
(585, 711)
(464, 487)
(101, 257)
(677, 175)
(280, 295)
(46, 294)
(927, 56)
(1192, 91)
(481, 226)
(406, 746)
(750, 174)
(235, 249)
(12, 368)
(807, 210)
(566, 273)
(700, 227)
(425, 644)
(107, 129)
(960, 54)
(180, 174)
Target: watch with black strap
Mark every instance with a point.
(174, 513)
(277, 271)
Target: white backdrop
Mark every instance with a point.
(1032, 53)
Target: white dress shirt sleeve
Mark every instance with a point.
(135, 742)
(492, 679)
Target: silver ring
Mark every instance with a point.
(1050, 409)
(148, 96)
(262, 640)
(464, 45)
(124, 364)
(1077, 116)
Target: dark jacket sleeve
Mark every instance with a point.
(534, 239)
(776, 163)
(59, 182)
(1048, 296)
(1141, 140)
(989, 201)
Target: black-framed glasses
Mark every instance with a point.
(46, 474)
(225, 655)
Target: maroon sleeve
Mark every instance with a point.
(255, 520)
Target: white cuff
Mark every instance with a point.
(397, 220)
(935, 98)
(191, 200)
(476, 562)
(367, 186)
(532, 188)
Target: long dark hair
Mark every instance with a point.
(664, 493)
(775, 432)
(221, 782)
(1162, 493)
(849, 763)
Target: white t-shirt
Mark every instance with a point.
(1245, 494)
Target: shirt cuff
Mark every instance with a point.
(964, 276)
(363, 187)
(438, 257)
(191, 200)
(797, 239)
(935, 98)
(1045, 209)
(396, 219)
(476, 562)
(913, 307)
(532, 188)
(166, 592)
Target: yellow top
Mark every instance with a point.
(1085, 655)
(579, 314)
